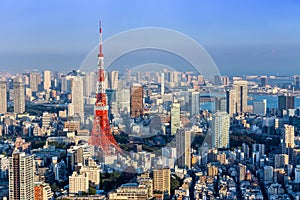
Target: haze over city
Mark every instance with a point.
(243, 37)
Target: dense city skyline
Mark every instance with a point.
(203, 103)
(59, 34)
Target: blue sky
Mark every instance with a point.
(242, 36)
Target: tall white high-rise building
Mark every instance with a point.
(123, 100)
(34, 81)
(47, 79)
(21, 173)
(3, 97)
(86, 85)
(77, 96)
(89, 84)
(162, 84)
(112, 79)
(175, 116)
(183, 148)
(231, 102)
(241, 88)
(220, 130)
(289, 137)
(19, 97)
(128, 76)
(194, 103)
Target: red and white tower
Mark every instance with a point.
(101, 135)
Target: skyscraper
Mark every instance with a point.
(231, 102)
(66, 83)
(241, 88)
(220, 130)
(47, 79)
(34, 81)
(77, 96)
(286, 102)
(112, 79)
(162, 84)
(128, 76)
(19, 97)
(162, 180)
(289, 137)
(3, 97)
(123, 100)
(89, 84)
(194, 103)
(136, 100)
(21, 176)
(183, 148)
(38, 81)
(175, 116)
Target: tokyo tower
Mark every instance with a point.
(101, 135)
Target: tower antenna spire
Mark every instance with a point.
(100, 44)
